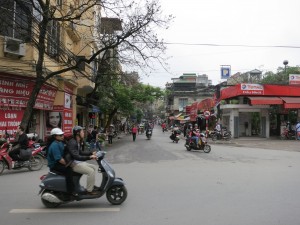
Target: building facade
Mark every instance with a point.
(60, 102)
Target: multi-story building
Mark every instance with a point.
(61, 100)
(185, 90)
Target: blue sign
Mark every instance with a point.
(225, 72)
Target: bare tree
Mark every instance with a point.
(42, 21)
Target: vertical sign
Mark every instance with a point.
(225, 71)
(68, 111)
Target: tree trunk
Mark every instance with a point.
(110, 117)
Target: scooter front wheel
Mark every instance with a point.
(207, 149)
(36, 163)
(116, 195)
(2, 166)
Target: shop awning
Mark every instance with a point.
(95, 109)
(291, 102)
(178, 115)
(265, 101)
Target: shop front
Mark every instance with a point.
(247, 109)
(14, 95)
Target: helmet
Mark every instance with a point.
(77, 129)
(56, 131)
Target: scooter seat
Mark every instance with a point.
(62, 174)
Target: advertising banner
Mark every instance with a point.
(68, 112)
(15, 92)
(68, 121)
(10, 119)
(294, 79)
(252, 89)
(54, 118)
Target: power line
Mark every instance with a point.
(231, 45)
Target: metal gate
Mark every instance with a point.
(263, 126)
(236, 127)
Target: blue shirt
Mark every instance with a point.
(55, 153)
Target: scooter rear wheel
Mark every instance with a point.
(214, 137)
(188, 148)
(2, 166)
(48, 204)
(116, 195)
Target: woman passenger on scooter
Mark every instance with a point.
(76, 149)
(56, 162)
(194, 134)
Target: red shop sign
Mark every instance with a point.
(10, 119)
(15, 92)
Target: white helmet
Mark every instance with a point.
(56, 131)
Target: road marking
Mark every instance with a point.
(70, 210)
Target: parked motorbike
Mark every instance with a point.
(34, 162)
(149, 134)
(190, 144)
(288, 134)
(217, 135)
(115, 134)
(54, 192)
(175, 137)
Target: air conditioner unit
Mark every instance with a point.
(14, 46)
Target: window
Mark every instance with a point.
(59, 3)
(16, 19)
(183, 102)
(53, 38)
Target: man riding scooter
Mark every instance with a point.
(21, 143)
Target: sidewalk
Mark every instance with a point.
(264, 143)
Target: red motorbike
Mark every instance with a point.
(34, 163)
(288, 134)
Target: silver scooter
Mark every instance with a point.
(54, 191)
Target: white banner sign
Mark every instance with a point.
(294, 79)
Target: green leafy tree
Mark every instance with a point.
(281, 76)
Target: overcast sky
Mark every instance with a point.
(228, 22)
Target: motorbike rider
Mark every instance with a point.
(194, 134)
(219, 130)
(297, 128)
(149, 128)
(21, 143)
(56, 161)
(79, 165)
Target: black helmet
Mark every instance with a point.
(77, 129)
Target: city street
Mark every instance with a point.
(232, 185)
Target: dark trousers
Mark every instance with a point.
(134, 136)
(14, 154)
(68, 172)
(110, 137)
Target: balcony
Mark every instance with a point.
(71, 31)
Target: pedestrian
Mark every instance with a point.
(134, 132)
(110, 133)
(297, 128)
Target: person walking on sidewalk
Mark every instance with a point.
(134, 132)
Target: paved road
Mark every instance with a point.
(168, 185)
(264, 143)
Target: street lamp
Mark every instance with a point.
(285, 62)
